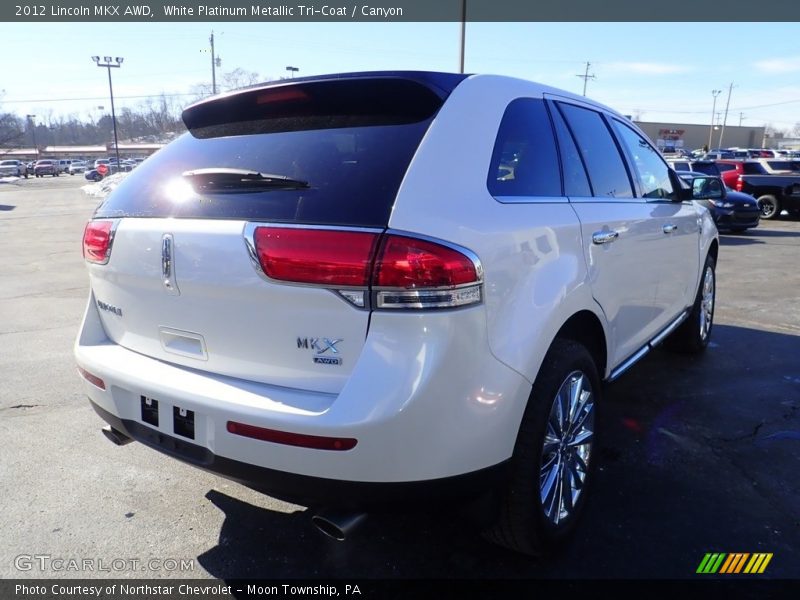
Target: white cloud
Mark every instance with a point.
(647, 68)
(779, 65)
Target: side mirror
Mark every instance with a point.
(707, 188)
(683, 191)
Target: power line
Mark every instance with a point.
(97, 98)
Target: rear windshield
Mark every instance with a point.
(347, 157)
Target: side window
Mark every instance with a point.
(576, 182)
(524, 160)
(753, 169)
(600, 154)
(652, 171)
(724, 167)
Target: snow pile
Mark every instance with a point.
(10, 179)
(103, 188)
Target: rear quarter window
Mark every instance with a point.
(524, 160)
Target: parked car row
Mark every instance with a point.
(11, 168)
(742, 153)
(775, 183)
(55, 167)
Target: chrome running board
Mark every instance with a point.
(644, 350)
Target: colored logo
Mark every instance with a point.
(738, 562)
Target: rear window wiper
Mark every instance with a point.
(240, 180)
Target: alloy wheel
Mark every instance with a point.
(567, 447)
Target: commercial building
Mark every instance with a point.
(669, 137)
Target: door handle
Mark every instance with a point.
(604, 237)
(669, 228)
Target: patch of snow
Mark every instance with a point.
(102, 188)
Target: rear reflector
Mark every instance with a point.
(97, 239)
(291, 439)
(93, 379)
(317, 256)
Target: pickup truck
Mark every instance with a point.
(773, 192)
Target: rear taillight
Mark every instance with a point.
(316, 256)
(395, 271)
(414, 273)
(739, 183)
(98, 236)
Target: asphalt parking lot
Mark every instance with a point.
(699, 455)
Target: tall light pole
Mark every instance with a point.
(292, 70)
(725, 118)
(213, 65)
(108, 64)
(33, 133)
(714, 93)
(463, 32)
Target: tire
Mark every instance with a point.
(526, 522)
(693, 335)
(770, 209)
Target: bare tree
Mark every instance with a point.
(239, 78)
(12, 130)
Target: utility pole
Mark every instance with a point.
(32, 124)
(213, 65)
(108, 65)
(463, 32)
(586, 77)
(741, 118)
(714, 93)
(725, 118)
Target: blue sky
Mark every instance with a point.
(654, 71)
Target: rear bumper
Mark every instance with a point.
(316, 491)
(442, 408)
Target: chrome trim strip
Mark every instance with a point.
(428, 297)
(669, 329)
(636, 357)
(167, 264)
(532, 199)
(629, 363)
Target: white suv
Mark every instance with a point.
(352, 290)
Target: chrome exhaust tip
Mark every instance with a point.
(116, 437)
(337, 525)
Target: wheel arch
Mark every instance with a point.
(585, 328)
(713, 250)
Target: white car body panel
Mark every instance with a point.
(428, 394)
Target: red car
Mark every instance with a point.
(731, 169)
